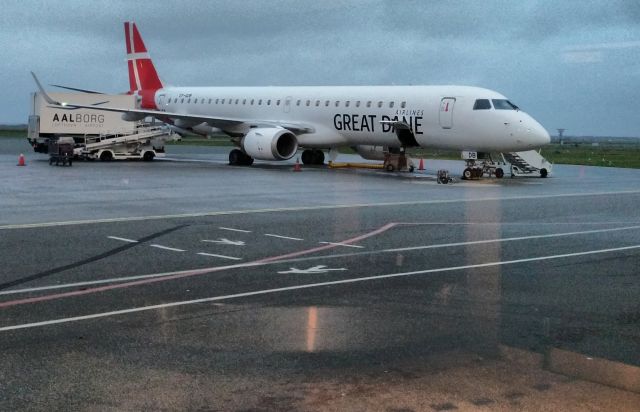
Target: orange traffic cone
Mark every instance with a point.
(21, 160)
(297, 167)
(421, 166)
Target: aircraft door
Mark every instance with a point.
(161, 102)
(446, 112)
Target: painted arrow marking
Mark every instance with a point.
(311, 271)
(224, 241)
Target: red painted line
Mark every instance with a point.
(185, 274)
(126, 36)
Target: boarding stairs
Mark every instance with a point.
(527, 163)
(141, 136)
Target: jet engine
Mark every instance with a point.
(270, 143)
(370, 152)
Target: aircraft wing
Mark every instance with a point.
(214, 121)
(75, 89)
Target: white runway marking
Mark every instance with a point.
(283, 237)
(173, 249)
(509, 239)
(225, 241)
(309, 286)
(303, 208)
(234, 230)
(219, 256)
(311, 271)
(341, 244)
(334, 256)
(122, 239)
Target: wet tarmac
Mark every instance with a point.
(189, 284)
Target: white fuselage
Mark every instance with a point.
(440, 116)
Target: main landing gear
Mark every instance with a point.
(239, 158)
(313, 157)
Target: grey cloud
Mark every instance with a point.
(521, 49)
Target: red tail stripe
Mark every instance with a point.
(132, 76)
(138, 44)
(126, 36)
(148, 76)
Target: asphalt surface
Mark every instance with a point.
(189, 284)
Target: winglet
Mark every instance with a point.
(44, 94)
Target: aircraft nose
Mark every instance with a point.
(536, 134)
(541, 135)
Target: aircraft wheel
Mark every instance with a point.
(317, 157)
(543, 173)
(390, 168)
(148, 156)
(467, 174)
(246, 160)
(499, 173)
(307, 157)
(235, 157)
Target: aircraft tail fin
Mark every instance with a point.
(142, 73)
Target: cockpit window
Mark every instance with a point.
(482, 104)
(503, 104)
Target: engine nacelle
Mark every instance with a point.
(370, 152)
(270, 143)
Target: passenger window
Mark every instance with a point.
(222, 102)
(217, 100)
(379, 104)
(326, 103)
(189, 100)
(337, 103)
(482, 104)
(251, 102)
(358, 103)
(182, 100)
(210, 101)
(260, 102)
(308, 102)
(391, 105)
(269, 102)
(346, 104)
(278, 102)
(298, 103)
(317, 103)
(403, 105)
(369, 103)
(237, 100)
(244, 101)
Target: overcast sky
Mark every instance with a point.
(571, 64)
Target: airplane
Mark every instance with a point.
(272, 123)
